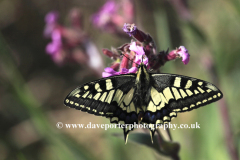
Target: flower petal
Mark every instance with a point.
(133, 70)
(129, 29)
(52, 17)
(145, 60)
(139, 59)
(105, 74)
(56, 35)
(53, 47)
(137, 49)
(183, 52)
(124, 71)
(109, 72)
(109, 7)
(103, 16)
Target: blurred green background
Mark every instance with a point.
(33, 87)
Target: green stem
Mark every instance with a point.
(33, 108)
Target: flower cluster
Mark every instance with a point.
(71, 44)
(113, 14)
(141, 50)
(53, 31)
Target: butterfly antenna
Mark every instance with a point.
(129, 59)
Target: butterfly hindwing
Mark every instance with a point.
(184, 93)
(168, 94)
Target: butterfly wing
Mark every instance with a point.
(119, 99)
(169, 94)
(113, 97)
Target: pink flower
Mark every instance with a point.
(52, 17)
(56, 44)
(140, 54)
(183, 52)
(131, 70)
(180, 52)
(128, 11)
(113, 14)
(172, 55)
(111, 72)
(51, 20)
(130, 29)
(103, 17)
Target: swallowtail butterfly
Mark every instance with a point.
(143, 97)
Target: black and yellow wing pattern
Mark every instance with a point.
(143, 97)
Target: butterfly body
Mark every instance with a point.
(143, 97)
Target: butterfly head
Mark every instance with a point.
(142, 67)
(142, 72)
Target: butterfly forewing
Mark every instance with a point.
(110, 97)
